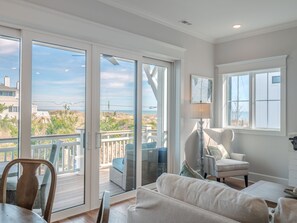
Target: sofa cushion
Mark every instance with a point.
(187, 171)
(154, 207)
(118, 164)
(218, 151)
(229, 165)
(218, 199)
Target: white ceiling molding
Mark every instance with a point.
(45, 20)
(214, 29)
(257, 32)
(157, 19)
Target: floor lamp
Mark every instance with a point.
(201, 111)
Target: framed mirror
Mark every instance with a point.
(201, 89)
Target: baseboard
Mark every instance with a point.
(254, 177)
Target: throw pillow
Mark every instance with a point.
(218, 151)
(187, 171)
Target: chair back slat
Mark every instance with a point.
(27, 186)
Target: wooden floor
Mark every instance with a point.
(70, 189)
(118, 212)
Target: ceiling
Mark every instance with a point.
(212, 20)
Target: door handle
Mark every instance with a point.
(98, 140)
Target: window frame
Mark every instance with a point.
(252, 67)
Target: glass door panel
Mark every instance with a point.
(58, 118)
(9, 101)
(154, 122)
(117, 171)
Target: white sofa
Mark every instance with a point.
(187, 200)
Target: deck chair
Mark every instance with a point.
(27, 185)
(103, 214)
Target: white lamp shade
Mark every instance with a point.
(201, 110)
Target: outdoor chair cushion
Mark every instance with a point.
(230, 165)
(117, 163)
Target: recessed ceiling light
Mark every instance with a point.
(185, 22)
(236, 26)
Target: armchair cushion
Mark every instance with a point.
(218, 151)
(224, 165)
(118, 164)
(237, 156)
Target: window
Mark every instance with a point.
(254, 99)
(13, 109)
(253, 96)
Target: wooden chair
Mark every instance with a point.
(42, 179)
(103, 215)
(27, 185)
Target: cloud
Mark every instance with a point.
(119, 77)
(79, 81)
(8, 46)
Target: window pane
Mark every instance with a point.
(274, 114)
(233, 81)
(261, 114)
(243, 114)
(243, 87)
(274, 86)
(238, 114)
(154, 122)
(261, 86)
(58, 118)
(117, 170)
(9, 103)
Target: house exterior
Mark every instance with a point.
(9, 96)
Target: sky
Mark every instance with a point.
(58, 78)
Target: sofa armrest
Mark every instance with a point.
(285, 210)
(209, 164)
(237, 156)
(152, 206)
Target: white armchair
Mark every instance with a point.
(223, 168)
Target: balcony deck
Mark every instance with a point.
(70, 189)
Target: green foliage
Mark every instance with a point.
(8, 124)
(2, 107)
(38, 125)
(62, 122)
(111, 122)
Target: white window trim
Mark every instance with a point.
(249, 66)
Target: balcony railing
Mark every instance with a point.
(71, 152)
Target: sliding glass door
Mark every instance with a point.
(58, 117)
(117, 169)
(101, 117)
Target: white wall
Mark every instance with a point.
(120, 29)
(268, 155)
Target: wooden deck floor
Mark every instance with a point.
(70, 189)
